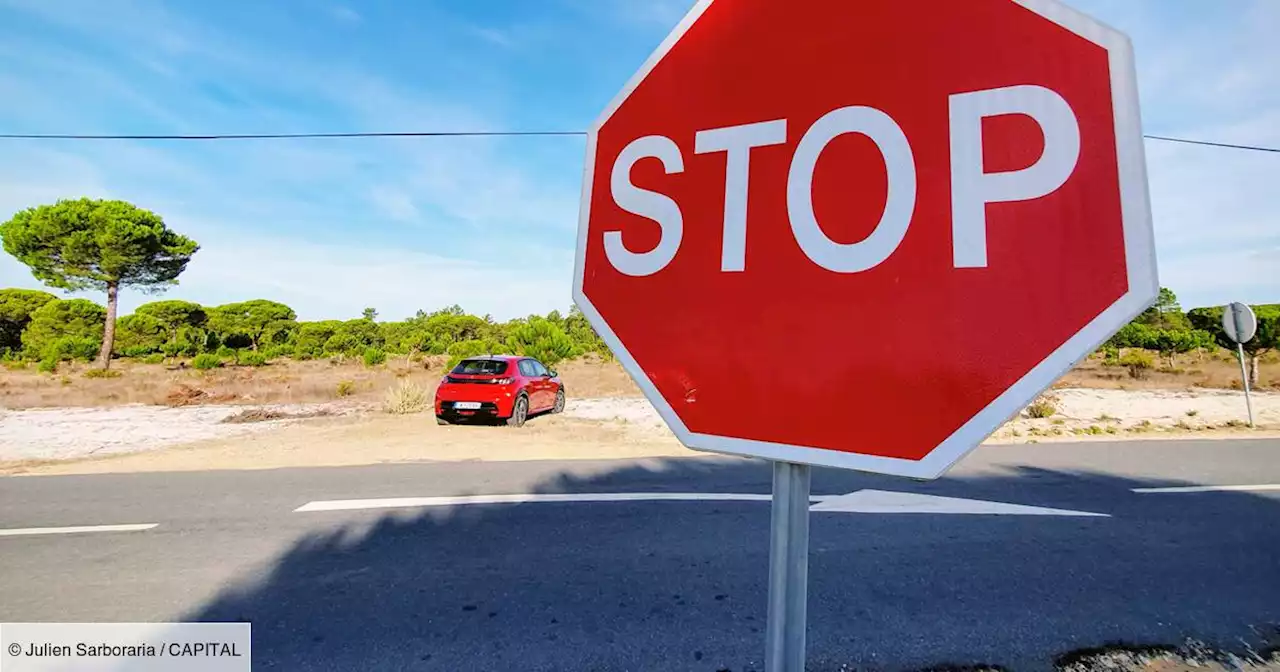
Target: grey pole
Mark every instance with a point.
(1244, 377)
(788, 569)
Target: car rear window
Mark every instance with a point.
(489, 367)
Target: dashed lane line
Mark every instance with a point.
(74, 529)
(416, 502)
(1265, 487)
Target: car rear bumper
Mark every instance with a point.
(494, 403)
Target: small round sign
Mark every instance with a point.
(1239, 322)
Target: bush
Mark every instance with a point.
(226, 352)
(102, 373)
(69, 348)
(251, 358)
(1139, 364)
(405, 398)
(1042, 408)
(48, 365)
(157, 358)
(180, 349)
(66, 329)
(374, 357)
(206, 361)
(464, 349)
(278, 351)
(135, 351)
(345, 388)
(541, 339)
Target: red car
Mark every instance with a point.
(498, 386)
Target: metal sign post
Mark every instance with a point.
(788, 569)
(1244, 376)
(1240, 325)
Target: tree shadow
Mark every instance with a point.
(681, 586)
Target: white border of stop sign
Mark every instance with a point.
(969, 234)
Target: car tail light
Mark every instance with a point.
(502, 381)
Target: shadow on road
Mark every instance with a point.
(681, 586)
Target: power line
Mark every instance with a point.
(283, 136)
(1206, 143)
(459, 134)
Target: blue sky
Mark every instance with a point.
(331, 226)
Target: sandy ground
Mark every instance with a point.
(152, 438)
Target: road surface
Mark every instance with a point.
(415, 567)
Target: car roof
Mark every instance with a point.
(500, 358)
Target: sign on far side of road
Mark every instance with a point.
(1239, 322)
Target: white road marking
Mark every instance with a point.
(78, 529)
(1266, 487)
(883, 501)
(414, 502)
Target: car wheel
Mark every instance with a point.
(559, 407)
(442, 421)
(519, 412)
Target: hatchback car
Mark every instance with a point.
(503, 387)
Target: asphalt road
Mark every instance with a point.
(662, 585)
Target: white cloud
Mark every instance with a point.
(394, 203)
(345, 14)
(338, 281)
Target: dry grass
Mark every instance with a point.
(267, 415)
(405, 398)
(382, 439)
(281, 382)
(1218, 370)
(289, 382)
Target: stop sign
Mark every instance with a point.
(865, 234)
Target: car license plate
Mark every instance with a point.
(466, 405)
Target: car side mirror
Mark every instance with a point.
(552, 374)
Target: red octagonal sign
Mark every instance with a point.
(865, 234)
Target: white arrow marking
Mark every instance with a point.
(414, 502)
(883, 501)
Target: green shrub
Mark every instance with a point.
(345, 388)
(464, 349)
(206, 361)
(543, 339)
(102, 373)
(405, 398)
(1138, 363)
(156, 358)
(16, 308)
(66, 329)
(70, 348)
(278, 351)
(226, 352)
(374, 357)
(1042, 408)
(48, 365)
(135, 351)
(180, 349)
(251, 358)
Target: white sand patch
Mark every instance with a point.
(71, 433)
(631, 410)
(74, 433)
